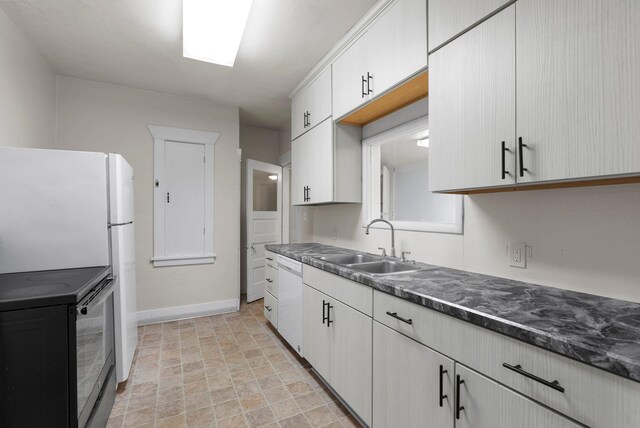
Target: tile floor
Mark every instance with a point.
(228, 370)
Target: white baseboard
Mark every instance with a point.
(175, 313)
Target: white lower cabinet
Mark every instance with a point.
(412, 384)
(337, 343)
(483, 403)
(271, 309)
(401, 368)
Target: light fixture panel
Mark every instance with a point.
(212, 29)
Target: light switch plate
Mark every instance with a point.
(518, 254)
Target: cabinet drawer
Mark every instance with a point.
(271, 259)
(358, 296)
(587, 390)
(487, 404)
(271, 280)
(271, 309)
(312, 105)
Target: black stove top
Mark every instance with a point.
(48, 287)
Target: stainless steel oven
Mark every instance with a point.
(94, 347)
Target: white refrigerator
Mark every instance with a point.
(67, 209)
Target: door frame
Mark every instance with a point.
(249, 248)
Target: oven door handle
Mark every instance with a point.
(98, 297)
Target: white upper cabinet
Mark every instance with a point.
(313, 105)
(557, 80)
(447, 18)
(393, 48)
(578, 68)
(472, 108)
(327, 165)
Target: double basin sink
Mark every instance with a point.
(378, 265)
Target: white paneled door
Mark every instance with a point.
(184, 199)
(263, 220)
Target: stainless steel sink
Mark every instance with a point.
(349, 259)
(385, 267)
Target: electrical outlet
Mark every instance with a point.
(518, 254)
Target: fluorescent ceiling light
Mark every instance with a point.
(273, 177)
(212, 29)
(424, 142)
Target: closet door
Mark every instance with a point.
(472, 108)
(578, 110)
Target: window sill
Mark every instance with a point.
(182, 260)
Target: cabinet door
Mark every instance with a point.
(301, 169)
(351, 355)
(312, 165)
(407, 382)
(392, 49)
(447, 18)
(472, 107)
(349, 70)
(271, 309)
(488, 404)
(316, 336)
(313, 105)
(397, 45)
(578, 63)
(320, 162)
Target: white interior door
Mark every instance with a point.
(184, 199)
(263, 220)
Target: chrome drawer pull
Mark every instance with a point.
(396, 316)
(269, 280)
(518, 369)
(268, 308)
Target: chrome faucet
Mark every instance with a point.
(393, 238)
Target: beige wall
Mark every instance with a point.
(284, 138)
(259, 144)
(27, 92)
(582, 239)
(100, 117)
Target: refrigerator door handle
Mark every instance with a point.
(119, 224)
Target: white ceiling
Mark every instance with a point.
(138, 43)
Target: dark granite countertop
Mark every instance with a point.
(598, 331)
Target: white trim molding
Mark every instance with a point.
(183, 260)
(162, 135)
(347, 40)
(370, 188)
(183, 135)
(175, 313)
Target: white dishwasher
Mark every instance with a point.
(290, 302)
